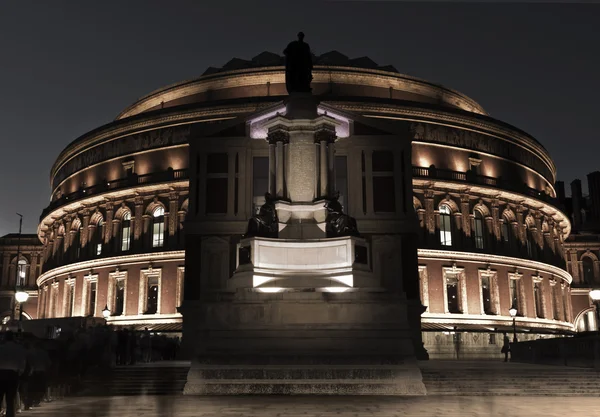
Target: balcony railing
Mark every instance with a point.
(473, 178)
(105, 186)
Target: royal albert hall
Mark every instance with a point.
(490, 232)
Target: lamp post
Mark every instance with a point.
(513, 314)
(595, 296)
(18, 293)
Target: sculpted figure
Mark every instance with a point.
(298, 66)
(338, 223)
(265, 223)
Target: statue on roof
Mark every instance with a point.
(298, 66)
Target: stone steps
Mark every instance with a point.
(493, 379)
(133, 380)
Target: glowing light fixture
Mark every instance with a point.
(21, 296)
(595, 295)
(336, 289)
(512, 312)
(106, 312)
(270, 289)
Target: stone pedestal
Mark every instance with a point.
(299, 342)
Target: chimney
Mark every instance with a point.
(594, 189)
(559, 186)
(577, 201)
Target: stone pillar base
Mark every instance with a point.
(304, 376)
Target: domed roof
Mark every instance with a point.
(270, 59)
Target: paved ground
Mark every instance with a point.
(187, 406)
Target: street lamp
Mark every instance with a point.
(21, 296)
(513, 313)
(595, 296)
(19, 291)
(105, 312)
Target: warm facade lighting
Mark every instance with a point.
(512, 312)
(21, 296)
(336, 289)
(270, 289)
(595, 295)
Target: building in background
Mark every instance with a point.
(582, 248)
(29, 266)
(491, 229)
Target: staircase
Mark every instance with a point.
(160, 378)
(485, 378)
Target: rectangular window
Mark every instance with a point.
(70, 299)
(505, 231)
(537, 296)
(152, 298)
(453, 294)
(555, 301)
(217, 166)
(99, 249)
(514, 294)
(341, 180)
(260, 181)
(119, 296)
(158, 233)
(92, 299)
(125, 239)
(486, 294)
(384, 195)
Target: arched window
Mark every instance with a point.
(445, 226)
(158, 227)
(588, 269)
(22, 274)
(126, 232)
(97, 246)
(529, 241)
(478, 230)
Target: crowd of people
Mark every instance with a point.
(33, 370)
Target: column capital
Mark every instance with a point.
(325, 133)
(278, 134)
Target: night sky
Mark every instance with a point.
(69, 67)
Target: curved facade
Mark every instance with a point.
(491, 230)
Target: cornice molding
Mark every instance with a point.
(120, 261)
(488, 259)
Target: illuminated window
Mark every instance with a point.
(384, 196)
(445, 226)
(70, 298)
(505, 231)
(453, 294)
(478, 230)
(119, 297)
(158, 227)
(514, 295)
(217, 172)
(588, 269)
(98, 237)
(486, 294)
(22, 274)
(126, 232)
(152, 298)
(92, 298)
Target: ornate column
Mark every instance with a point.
(278, 136)
(109, 222)
(540, 232)
(465, 208)
(429, 212)
(68, 235)
(138, 221)
(520, 225)
(323, 167)
(286, 163)
(574, 265)
(173, 210)
(331, 161)
(272, 165)
(35, 256)
(496, 219)
(84, 231)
